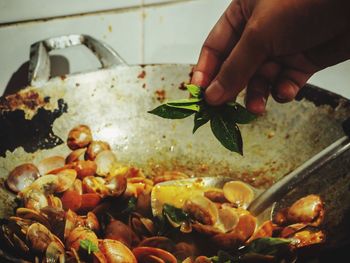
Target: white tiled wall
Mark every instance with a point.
(174, 33)
(20, 10)
(123, 31)
(142, 31)
(155, 1)
(335, 79)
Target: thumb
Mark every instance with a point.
(244, 60)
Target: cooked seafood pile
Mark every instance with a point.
(88, 207)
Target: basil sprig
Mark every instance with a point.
(223, 119)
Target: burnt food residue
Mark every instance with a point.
(182, 86)
(320, 96)
(33, 134)
(142, 75)
(30, 100)
(160, 95)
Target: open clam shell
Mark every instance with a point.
(177, 192)
(22, 176)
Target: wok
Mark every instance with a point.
(114, 101)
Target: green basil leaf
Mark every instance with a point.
(88, 245)
(200, 118)
(168, 112)
(184, 101)
(238, 113)
(267, 246)
(227, 133)
(187, 104)
(175, 214)
(193, 107)
(194, 90)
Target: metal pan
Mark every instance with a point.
(114, 101)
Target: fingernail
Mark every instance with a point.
(282, 98)
(262, 108)
(257, 105)
(288, 92)
(214, 92)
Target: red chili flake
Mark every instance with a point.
(160, 94)
(63, 77)
(142, 74)
(182, 86)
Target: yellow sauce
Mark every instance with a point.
(175, 195)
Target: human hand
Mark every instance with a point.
(271, 46)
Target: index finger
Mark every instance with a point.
(218, 45)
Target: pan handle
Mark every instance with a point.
(39, 62)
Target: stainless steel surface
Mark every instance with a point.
(294, 179)
(39, 63)
(114, 102)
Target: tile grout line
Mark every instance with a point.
(143, 14)
(89, 13)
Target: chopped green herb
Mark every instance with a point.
(223, 257)
(131, 206)
(88, 245)
(267, 245)
(175, 214)
(172, 219)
